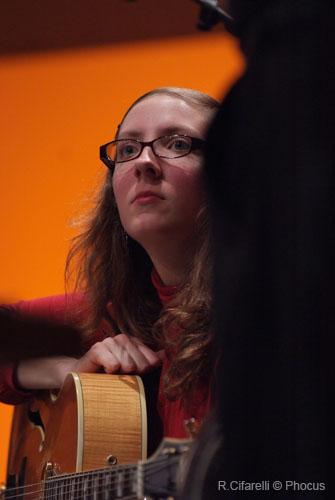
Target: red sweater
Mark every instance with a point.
(175, 414)
(66, 309)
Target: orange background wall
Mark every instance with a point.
(56, 109)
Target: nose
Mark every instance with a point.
(147, 163)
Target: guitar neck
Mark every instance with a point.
(116, 482)
(157, 477)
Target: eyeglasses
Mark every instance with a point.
(167, 146)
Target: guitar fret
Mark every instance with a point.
(139, 481)
(46, 491)
(78, 484)
(67, 489)
(60, 489)
(85, 488)
(130, 486)
(107, 485)
(119, 483)
(132, 481)
(50, 490)
(95, 486)
(73, 488)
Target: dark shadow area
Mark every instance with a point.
(39, 25)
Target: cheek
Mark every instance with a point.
(121, 186)
(188, 186)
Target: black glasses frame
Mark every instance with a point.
(196, 143)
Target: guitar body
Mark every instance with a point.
(95, 420)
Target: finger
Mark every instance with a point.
(121, 339)
(86, 364)
(127, 363)
(108, 361)
(143, 357)
(153, 358)
(127, 355)
(112, 364)
(132, 354)
(140, 360)
(99, 356)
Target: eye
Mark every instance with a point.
(178, 144)
(126, 150)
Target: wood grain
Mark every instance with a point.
(93, 416)
(112, 419)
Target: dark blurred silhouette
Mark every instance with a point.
(25, 336)
(270, 173)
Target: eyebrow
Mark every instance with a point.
(134, 134)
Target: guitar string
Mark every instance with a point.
(102, 470)
(40, 486)
(70, 475)
(90, 477)
(97, 478)
(80, 476)
(101, 488)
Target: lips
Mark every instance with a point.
(146, 196)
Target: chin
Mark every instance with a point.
(148, 230)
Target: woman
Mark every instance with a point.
(144, 263)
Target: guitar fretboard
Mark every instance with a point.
(101, 484)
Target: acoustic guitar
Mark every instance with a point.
(78, 444)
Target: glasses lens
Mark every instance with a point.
(172, 146)
(123, 150)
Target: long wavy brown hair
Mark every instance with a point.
(114, 272)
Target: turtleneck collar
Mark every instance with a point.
(165, 292)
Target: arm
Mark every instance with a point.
(120, 354)
(9, 392)
(40, 327)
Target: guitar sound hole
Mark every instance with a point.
(35, 418)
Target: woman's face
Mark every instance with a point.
(159, 197)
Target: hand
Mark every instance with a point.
(120, 354)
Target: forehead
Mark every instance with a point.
(159, 114)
